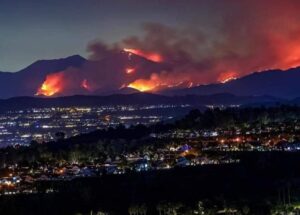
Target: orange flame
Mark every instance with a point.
(52, 85)
(144, 85)
(227, 76)
(150, 56)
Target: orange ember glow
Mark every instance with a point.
(150, 56)
(85, 84)
(143, 85)
(227, 76)
(129, 70)
(292, 58)
(52, 85)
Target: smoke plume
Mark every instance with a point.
(249, 36)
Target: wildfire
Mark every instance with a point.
(129, 70)
(150, 56)
(52, 85)
(191, 84)
(85, 84)
(228, 79)
(144, 85)
(227, 76)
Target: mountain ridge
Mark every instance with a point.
(26, 81)
(277, 83)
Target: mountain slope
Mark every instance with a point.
(277, 83)
(26, 81)
(107, 75)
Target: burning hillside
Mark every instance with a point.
(164, 56)
(53, 85)
(117, 70)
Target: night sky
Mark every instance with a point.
(202, 41)
(35, 29)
